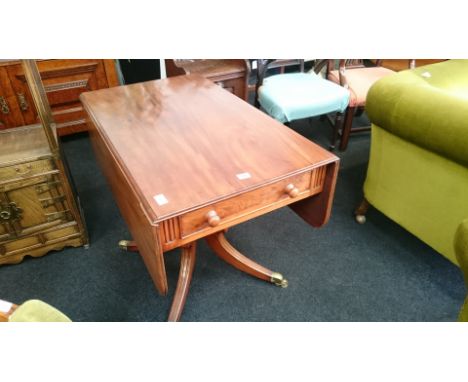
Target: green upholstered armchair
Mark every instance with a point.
(30, 311)
(418, 165)
(461, 250)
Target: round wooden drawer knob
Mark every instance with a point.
(291, 190)
(213, 218)
(25, 171)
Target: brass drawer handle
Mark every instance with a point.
(5, 215)
(291, 190)
(22, 101)
(10, 212)
(4, 105)
(28, 170)
(213, 218)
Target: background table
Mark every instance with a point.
(232, 75)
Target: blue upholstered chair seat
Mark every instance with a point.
(287, 97)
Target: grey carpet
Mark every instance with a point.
(341, 272)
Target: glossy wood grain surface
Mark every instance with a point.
(189, 140)
(142, 229)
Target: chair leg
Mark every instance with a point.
(348, 123)
(335, 130)
(361, 211)
(359, 111)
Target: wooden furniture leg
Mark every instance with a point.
(336, 127)
(346, 131)
(359, 111)
(228, 253)
(187, 264)
(361, 211)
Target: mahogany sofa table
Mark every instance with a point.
(186, 160)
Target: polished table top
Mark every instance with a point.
(185, 142)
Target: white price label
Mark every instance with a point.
(160, 199)
(243, 176)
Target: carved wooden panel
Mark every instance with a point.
(170, 230)
(318, 178)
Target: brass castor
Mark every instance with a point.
(279, 280)
(123, 244)
(361, 219)
(361, 210)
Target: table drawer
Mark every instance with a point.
(268, 198)
(25, 170)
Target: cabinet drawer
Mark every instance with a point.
(25, 170)
(14, 246)
(54, 236)
(231, 211)
(28, 244)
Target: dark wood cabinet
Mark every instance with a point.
(231, 75)
(64, 80)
